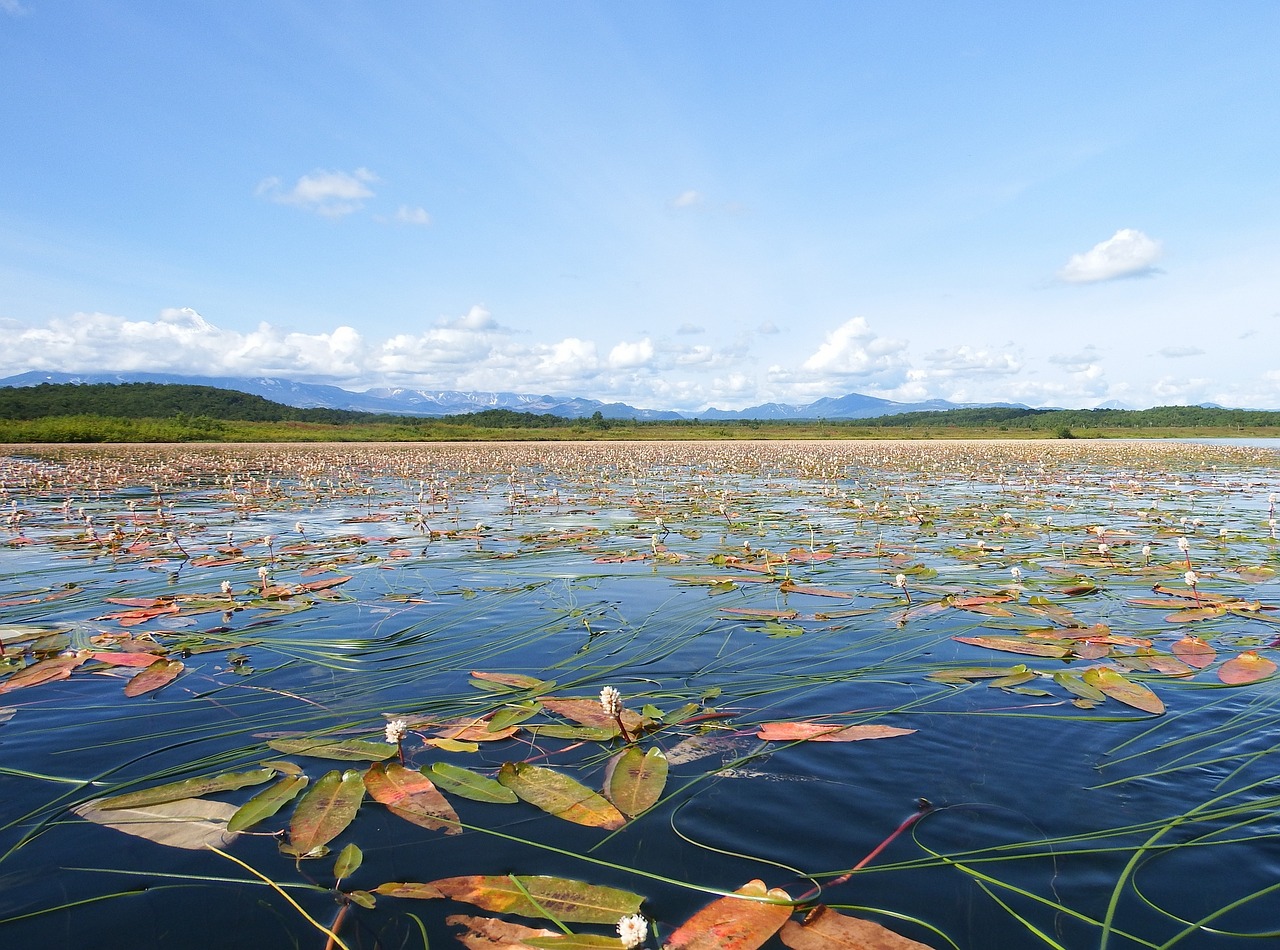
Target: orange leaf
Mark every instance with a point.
(743, 922)
(825, 732)
(1194, 652)
(490, 933)
(825, 929)
(325, 583)
(540, 896)
(160, 673)
(589, 712)
(790, 587)
(1196, 613)
(412, 796)
(1248, 667)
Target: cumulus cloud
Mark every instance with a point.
(628, 355)
(853, 350)
(1127, 253)
(333, 194)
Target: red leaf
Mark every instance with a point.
(825, 929)
(1194, 652)
(160, 673)
(412, 796)
(825, 732)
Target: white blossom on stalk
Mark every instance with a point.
(611, 702)
(1184, 545)
(900, 581)
(226, 588)
(633, 931)
(1016, 574)
(1146, 553)
(397, 729)
(1190, 578)
(1104, 549)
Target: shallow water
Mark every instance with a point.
(611, 564)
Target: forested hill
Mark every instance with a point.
(208, 406)
(155, 401)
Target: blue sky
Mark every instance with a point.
(672, 204)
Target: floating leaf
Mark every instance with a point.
(158, 674)
(1194, 652)
(412, 796)
(359, 750)
(1124, 690)
(743, 922)
(1248, 667)
(349, 860)
(1017, 645)
(267, 802)
(476, 729)
(634, 780)
(790, 587)
(191, 823)
(126, 659)
(44, 671)
(825, 929)
(559, 795)
(967, 674)
(422, 892)
(507, 681)
(589, 712)
(555, 898)
(468, 784)
(1073, 683)
(324, 813)
(188, 788)
(825, 732)
(490, 933)
(1196, 613)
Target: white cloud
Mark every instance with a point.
(628, 355)
(688, 329)
(768, 328)
(853, 350)
(1127, 253)
(13, 8)
(413, 215)
(333, 194)
(687, 199)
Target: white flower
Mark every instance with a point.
(1016, 574)
(611, 702)
(226, 588)
(299, 528)
(397, 729)
(634, 931)
(1104, 549)
(900, 580)
(1190, 578)
(1184, 545)
(1146, 551)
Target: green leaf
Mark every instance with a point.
(267, 802)
(359, 750)
(574, 942)
(634, 780)
(559, 795)
(363, 898)
(188, 788)
(412, 796)
(349, 860)
(557, 730)
(468, 784)
(324, 813)
(1073, 684)
(553, 898)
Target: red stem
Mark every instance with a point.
(911, 819)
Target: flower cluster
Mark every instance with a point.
(633, 930)
(397, 729)
(611, 702)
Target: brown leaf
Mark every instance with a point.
(540, 896)
(45, 671)
(559, 795)
(1194, 652)
(160, 673)
(489, 933)
(825, 929)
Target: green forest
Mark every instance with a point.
(166, 412)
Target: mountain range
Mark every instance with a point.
(424, 402)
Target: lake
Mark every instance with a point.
(1051, 661)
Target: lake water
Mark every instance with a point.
(718, 587)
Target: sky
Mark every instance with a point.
(677, 205)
